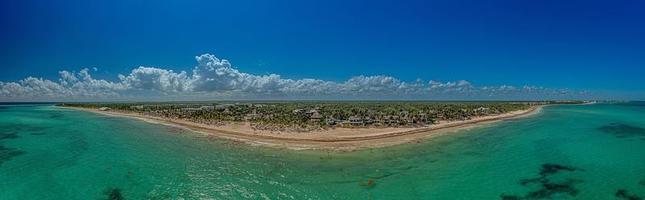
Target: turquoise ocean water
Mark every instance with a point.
(565, 152)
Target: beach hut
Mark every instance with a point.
(315, 117)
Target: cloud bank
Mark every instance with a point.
(215, 78)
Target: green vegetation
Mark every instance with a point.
(313, 115)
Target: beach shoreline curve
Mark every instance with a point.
(341, 139)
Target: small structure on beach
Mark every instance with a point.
(356, 121)
(190, 109)
(315, 116)
(332, 121)
(104, 109)
(251, 116)
(207, 108)
(223, 106)
(481, 110)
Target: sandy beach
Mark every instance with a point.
(337, 139)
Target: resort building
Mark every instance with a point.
(355, 121)
(138, 107)
(315, 117)
(207, 108)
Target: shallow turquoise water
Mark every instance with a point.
(565, 152)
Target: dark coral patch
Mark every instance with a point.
(549, 169)
(114, 194)
(548, 188)
(7, 154)
(620, 130)
(624, 194)
(510, 197)
(529, 181)
(8, 135)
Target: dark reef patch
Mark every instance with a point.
(510, 197)
(114, 194)
(8, 135)
(547, 188)
(529, 181)
(620, 130)
(7, 154)
(549, 169)
(624, 194)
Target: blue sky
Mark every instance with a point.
(577, 45)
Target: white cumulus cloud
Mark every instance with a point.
(213, 77)
(150, 78)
